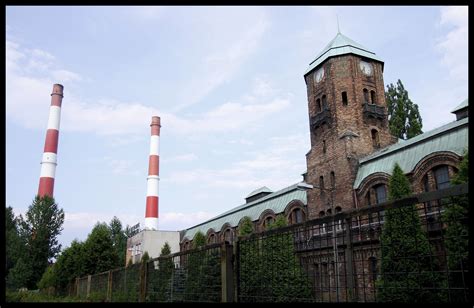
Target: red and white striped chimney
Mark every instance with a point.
(151, 215)
(48, 163)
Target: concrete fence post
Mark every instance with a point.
(142, 295)
(89, 278)
(109, 287)
(227, 273)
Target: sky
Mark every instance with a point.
(227, 83)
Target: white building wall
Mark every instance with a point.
(151, 241)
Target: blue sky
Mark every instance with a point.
(227, 83)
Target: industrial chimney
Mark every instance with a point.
(151, 215)
(48, 163)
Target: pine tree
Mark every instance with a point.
(40, 229)
(408, 271)
(282, 272)
(162, 279)
(403, 115)
(456, 237)
(250, 268)
(15, 244)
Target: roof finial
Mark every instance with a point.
(338, 31)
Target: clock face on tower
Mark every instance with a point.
(366, 68)
(319, 74)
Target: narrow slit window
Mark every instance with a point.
(344, 98)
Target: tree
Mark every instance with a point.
(457, 233)
(145, 257)
(403, 116)
(282, 272)
(408, 270)
(15, 245)
(246, 227)
(70, 264)
(250, 258)
(203, 271)
(43, 224)
(99, 249)
(161, 281)
(119, 240)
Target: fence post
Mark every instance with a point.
(77, 286)
(349, 261)
(143, 267)
(227, 273)
(88, 290)
(109, 287)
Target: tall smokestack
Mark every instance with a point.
(48, 163)
(151, 215)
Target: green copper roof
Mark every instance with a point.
(260, 190)
(452, 137)
(341, 45)
(276, 201)
(464, 104)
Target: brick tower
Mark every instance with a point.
(348, 120)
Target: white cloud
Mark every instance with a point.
(220, 65)
(453, 46)
(278, 165)
(28, 99)
(65, 76)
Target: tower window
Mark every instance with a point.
(372, 97)
(366, 96)
(321, 184)
(324, 146)
(318, 105)
(375, 138)
(344, 98)
(333, 180)
(325, 103)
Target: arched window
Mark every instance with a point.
(324, 146)
(344, 98)
(296, 216)
(366, 96)
(333, 180)
(211, 239)
(325, 103)
(318, 106)
(267, 221)
(373, 97)
(375, 138)
(228, 235)
(321, 184)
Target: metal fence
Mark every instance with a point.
(411, 250)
